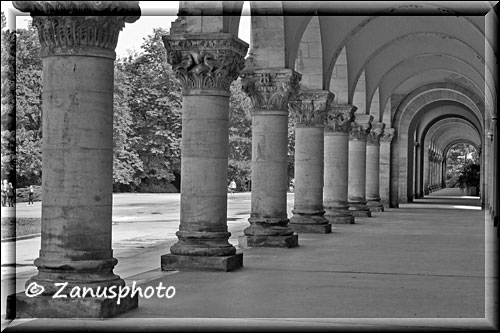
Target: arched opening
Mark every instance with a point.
(462, 165)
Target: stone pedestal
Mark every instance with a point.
(357, 165)
(205, 64)
(308, 112)
(77, 153)
(373, 168)
(269, 91)
(337, 127)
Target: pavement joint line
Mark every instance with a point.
(361, 272)
(13, 239)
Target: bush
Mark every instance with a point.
(469, 176)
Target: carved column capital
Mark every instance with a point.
(210, 61)
(310, 106)
(388, 135)
(373, 137)
(360, 127)
(270, 89)
(339, 118)
(80, 27)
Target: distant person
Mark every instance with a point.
(5, 186)
(30, 196)
(232, 186)
(10, 195)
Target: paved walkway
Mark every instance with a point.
(422, 266)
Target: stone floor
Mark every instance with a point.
(422, 266)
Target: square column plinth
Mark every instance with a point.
(173, 262)
(269, 241)
(21, 306)
(311, 228)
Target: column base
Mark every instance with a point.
(21, 306)
(375, 206)
(268, 241)
(312, 224)
(348, 219)
(362, 213)
(174, 262)
(303, 228)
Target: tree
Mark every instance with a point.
(8, 91)
(457, 157)
(240, 136)
(28, 108)
(126, 161)
(155, 104)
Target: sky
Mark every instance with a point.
(155, 14)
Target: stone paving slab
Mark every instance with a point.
(405, 269)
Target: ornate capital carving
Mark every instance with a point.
(270, 89)
(360, 127)
(373, 137)
(79, 27)
(309, 109)
(208, 61)
(388, 135)
(339, 118)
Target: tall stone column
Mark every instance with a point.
(431, 170)
(426, 171)
(357, 165)
(308, 112)
(385, 165)
(77, 152)
(373, 168)
(269, 90)
(205, 64)
(337, 127)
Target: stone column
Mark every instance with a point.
(308, 112)
(357, 165)
(269, 91)
(205, 64)
(426, 171)
(373, 168)
(77, 152)
(337, 127)
(431, 170)
(385, 165)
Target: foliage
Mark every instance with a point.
(458, 156)
(8, 91)
(28, 108)
(469, 176)
(240, 137)
(154, 99)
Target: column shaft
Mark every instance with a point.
(337, 129)
(77, 153)
(203, 235)
(385, 166)
(269, 91)
(357, 166)
(373, 168)
(308, 112)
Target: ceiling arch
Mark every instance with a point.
(444, 130)
(408, 69)
(431, 97)
(412, 46)
(379, 33)
(460, 140)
